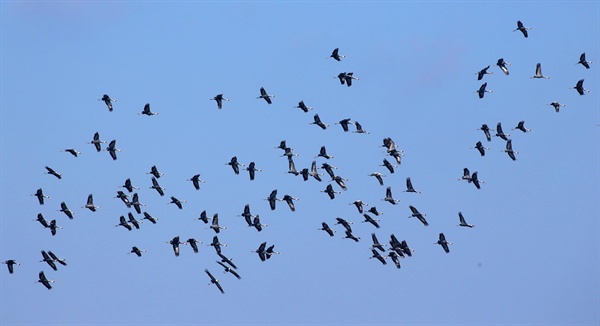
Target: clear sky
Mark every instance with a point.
(532, 257)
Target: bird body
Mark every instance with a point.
(388, 196)
(40, 196)
(482, 90)
(10, 264)
(265, 96)
(146, 110)
(463, 222)
(46, 282)
(419, 215)
(442, 242)
(584, 62)
(522, 28)
(219, 99)
(112, 149)
(96, 142)
(538, 72)
(90, 203)
(335, 55)
(579, 88)
(196, 181)
(317, 121)
(214, 281)
(483, 72)
(502, 64)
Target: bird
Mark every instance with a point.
(256, 223)
(388, 165)
(313, 171)
(521, 126)
(247, 215)
(261, 251)
(137, 251)
(329, 191)
(290, 201)
(227, 260)
(154, 171)
(406, 249)
(522, 28)
(323, 153)
(466, 175)
(40, 218)
(90, 203)
(194, 244)
(56, 259)
(10, 264)
(344, 123)
(203, 217)
(129, 186)
(335, 54)
(177, 202)
(479, 146)
(378, 256)
(175, 243)
(146, 110)
(52, 172)
(108, 101)
(273, 199)
(149, 218)
(502, 64)
(483, 72)
(500, 133)
(66, 210)
(511, 153)
(394, 257)
(123, 222)
(419, 215)
(442, 242)
(40, 196)
(48, 260)
(397, 155)
(344, 223)
(376, 244)
(329, 169)
(378, 176)
(217, 245)
(475, 180)
(264, 95)
(388, 196)
(302, 107)
(135, 202)
(282, 145)
(214, 281)
(96, 142)
(349, 235)
(342, 77)
(215, 224)
(463, 222)
(359, 128)
(538, 72)
(396, 246)
(72, 151)
(389, 144)
(157, 186)
(317, 121)
(340, 181)
(373, 210)
(409, 186)
(229, 270)
(52, 226)
(112, 149)
(327, 229)
(486, 131)
(359, 205)
(219, 99)
(482, 90)
(133, 221)
(346, 77)
(46, 282)
(583, 62)
(369, 219)
(196, 181)
(556, 106)
(579, 88)
(270, 252)
(235, 165)
(252, 170)
(288, 151)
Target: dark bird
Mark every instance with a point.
(196, 181)
(389, 144)
(194, 244)
(175, 243)
(579, 88)
(442, 242)
(10, 264)
(123, 222)
(137, 251)
(133, 221)
(227, 260)
(340, 181)
(52, 226)
(521, 126)
(327, 229)
(282, 145)
(96, 142)
(47, 259)
(154, 171)
(373, 210)
(247, 215)
(329, 190)
(215, 224)
(388, 196)
(149, 218)
(290, 201)
(129, 186)
(378, 176)
(336, 55)
(304, 172)
(90, 203)
(583, 62)
(406, 249)
(252, 170)
(303, 106)
(229, 270)
(463, 222)
(219, 98)
(479, 146)
(323, 153)
(112, 149)
(376, 244)
(509, 150)
(466, 175)
(394, 257)
(483, 72)
(486, 131)
(344, 123)
(359, 205)
(261, 251)
(270, 252)
(235, 165)
(52, 172)
(475, 180)
(342, 77)
(502, 64)
(409, 186)
(396, 154)
(379, 257)
(288, 151)
(273, 199)
(157, 187)
(522, 28)
(313, 171)
(40, 218)
(349, 235)
(359, 128)
(317, 121)
(213, 280)
(538, 72)
(217, 245)
(481, 91)
(108, 101)
(329, 169)
(42, 279)
(146, 110)
(346, 77)
(556, 106)
(344, 223)
(264, 95)
(256, 223)
(72, 151)
(500, 133)
(66, 210)
(135, 202)
(388, 165)
(177, 202)
(417, 214)
(56, 259)
(203, 217)
(369, 219)
(396, 246)
(40, 196)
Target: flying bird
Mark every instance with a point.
(466, 175)
(52, 172)
(584, 62)
(556, 106)
(235, 165)
(46, 282)
(538, 72)
(340, 181)
(344, 123)
(66, 210)
(229, 270)
(378, 256)
(313, 171)
(52, 226)
(194, 244)
(261, 251)
(479, 146)
(388, 196)
(133, 221)
(290, 201)
(394, 257)
(40, 196)
(486, 131)
(359, 205)
(175, 243)
(149, 218)
(373, 210)
(273, 199)
(475, 180)
(135, 202)
(521, 126)
(219, 99)
(442, 242)
(137, 251)
(388, 165)
(108, 101)
(112, 149)
(344, 223)
(327, 229)
(302, 107)
(349, 235)
(256, 223)
(376, 244)
(346, 77)
(177, 202)
(252, 170)
(56, 259)
(123, 222)
(483, 72)
(409, 186)
(217, 245)
(522, 28)
(157, 187)
(226, 260)
(369, 219)
(482, 90)
(323, 153)
(154, 171)
(579, 88)
(419, 215)
(509, 150)
(129, 186)
(335, 54)
(196, 181)
(264, 95)
(500, 133)
(10, 264)
(47, 259)
(359, 128)
(90, 203)
(40, 218)
(378, 176)
(329, 169)
(329, 191)
(270, 252)
(146, 110)
(317, 121)
(502, 64)
(463, 222)
(247, 215)
(215, 224)
(96, 142)
(214, 281)
(72, 151)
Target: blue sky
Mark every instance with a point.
(532, 258)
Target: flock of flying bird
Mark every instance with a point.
(397, 249)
